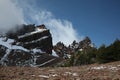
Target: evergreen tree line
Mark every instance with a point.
(103, 54)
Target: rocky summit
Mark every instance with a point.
(27, 45)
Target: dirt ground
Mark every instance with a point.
(109, 71)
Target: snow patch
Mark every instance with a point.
(40, 30)
(4, 58)
(109, 67)
(8, 44)
(68, 73)
(54, 53)
(32, 75)
(98, 68)
(54, 75)
(43, 76)
(81, 49)
(35, 50)
(74, 74)
(113, 68)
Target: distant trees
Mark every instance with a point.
(86, 56)
(91, 55)
(110, 53)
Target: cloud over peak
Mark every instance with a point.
(10, 15)
(62, 30)
(17, 13)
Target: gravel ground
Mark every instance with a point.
(109, 71)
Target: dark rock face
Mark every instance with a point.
(47, 60)
(20, 30)
(25, 47)
(2, 51)
(39, 40)
(17, 58)
(30, 37)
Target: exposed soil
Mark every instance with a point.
(109, 71)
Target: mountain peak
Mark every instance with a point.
(26, 46)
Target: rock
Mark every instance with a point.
(2, 51)
(20, 30)
(18, 58)
(41, 40)
(47, 60)
(60, 49)
(29, 45)
(85, 43)
(31, 36)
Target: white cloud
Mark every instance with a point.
(62, 30)
(10, 15)
(13, 13)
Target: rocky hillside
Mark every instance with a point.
(28, 45)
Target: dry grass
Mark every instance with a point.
(109, 71)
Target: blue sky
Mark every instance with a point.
(98, 19)
(67, 20)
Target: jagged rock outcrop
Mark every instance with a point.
(62, 50)
(31, 37)
(65, 52)
(26, 45)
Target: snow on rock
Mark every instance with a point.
(54, 53)
(4, 58)
(69, 56)
(45, 62)
(81, 49)
(27, 46)
(40, 30)
(20, 47)
(6, 43)
(10, 46)
(35, 50)
(34, 32)
(37, 40)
